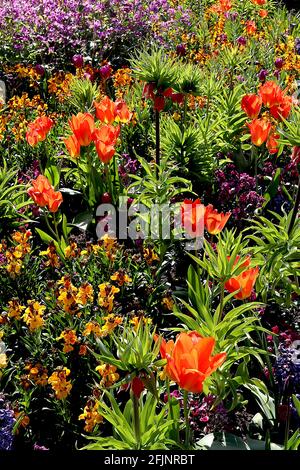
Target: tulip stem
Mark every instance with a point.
(222, 287)
(255, 159)
(295, 210)
(136, 419)
(53, 232)
(157, 139)
(186, 417)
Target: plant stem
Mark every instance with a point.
(295, 210)
(222, 287)
(186, 417)
(157, 139)
(254, 157)
(55, 226)
(54, 233)
(287, 425)
(136, 420)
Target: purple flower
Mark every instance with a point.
(241, 40)
(7, 422)
(77, 61)
(279, 63)
(262, 75)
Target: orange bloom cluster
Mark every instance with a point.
(43, 194)
(195, 216)
(279, 105)
(37, 373)
(91, 416)
(69, 337)
(244, 282)
(190, 360)
(16, 254)
(38, 130)
(53, 259)
(108, 374)
(60, 384)
(105, 137)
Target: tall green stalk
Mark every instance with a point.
(136, 420)
(295, 210)
(186, 418)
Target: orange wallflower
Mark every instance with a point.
(215, 221)
(43, 194)
(251, 105)
(244, 282)
(272, 143)
(225, 5)
(192, 217)
(37, 130)
(251, 27)
(189, 360)
(82, 127)
(105, 110)
(259, 130)
(73, 146)
(259, 2)
(263, 13)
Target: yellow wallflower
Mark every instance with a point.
(67, 295)
(136, 321)
(111, 322)
(92, 327)
(70, 338)
(91, 416)
(59, 383)
(121, 277)
(108, 374)
(33, 315)
(150, 256)
(15, 309)
(106, 295)
(53, 259)
(85, 294)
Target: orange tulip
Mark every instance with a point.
(44, 195)
(122, 112)
(83, 127)
(270, 94)
(192, 217)
(73, 146)
(215, 221)
(107, 134)
(272, 143)
(283, 108)
(251, 105)
(105, 110)
(259, 130)
(39, 190)
(38, 129)
(105, 152)
(244, 282)
(105, 138)
(189, 360)
(54, 200)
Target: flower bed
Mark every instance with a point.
(149, 225)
